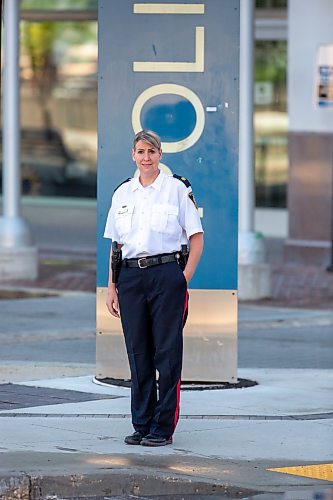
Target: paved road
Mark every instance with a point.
(62, 224)
(62, 330)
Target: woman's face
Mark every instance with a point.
(147, 158)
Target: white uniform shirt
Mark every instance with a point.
(151, 220)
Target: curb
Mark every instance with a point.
(114, 484)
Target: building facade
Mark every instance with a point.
(58, 71)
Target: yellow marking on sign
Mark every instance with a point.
(168, 8)
(319, 471)
(171, 88)
(197, 66)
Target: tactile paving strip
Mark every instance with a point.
(318, 471)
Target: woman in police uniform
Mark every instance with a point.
(150, 217)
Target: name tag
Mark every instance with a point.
(122, 210)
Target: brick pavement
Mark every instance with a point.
(300, 286)
(292, 285)
(13, 397)
(62, 270)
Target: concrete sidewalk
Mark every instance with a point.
(227, 438)
(226, 441)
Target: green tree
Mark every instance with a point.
(38, 40)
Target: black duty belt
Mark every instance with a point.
(153, 260)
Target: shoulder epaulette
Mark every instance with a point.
(127, 180)
(182, 179)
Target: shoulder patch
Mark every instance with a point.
(127, 180)
(182, 179)
(191, 196)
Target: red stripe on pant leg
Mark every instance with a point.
(185, 308)
(176, 417)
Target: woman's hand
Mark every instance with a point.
(112, 302)
(187, 277)
(196, 247)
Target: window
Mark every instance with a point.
(271, 123)
(58, 65)
(59, 101)
(271, 4)
(58, 4)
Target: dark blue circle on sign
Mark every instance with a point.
(171, 116)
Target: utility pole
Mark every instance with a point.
(253, 272)
(18, 258)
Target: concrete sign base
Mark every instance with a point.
(210, 339)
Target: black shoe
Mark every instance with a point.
(134, 438)
(151, 440)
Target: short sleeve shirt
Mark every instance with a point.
(154, 219)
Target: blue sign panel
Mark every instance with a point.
(173, 67)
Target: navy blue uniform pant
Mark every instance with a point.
(153, 309)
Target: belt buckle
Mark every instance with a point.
(142, 265)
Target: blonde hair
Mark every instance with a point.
(147, 136)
